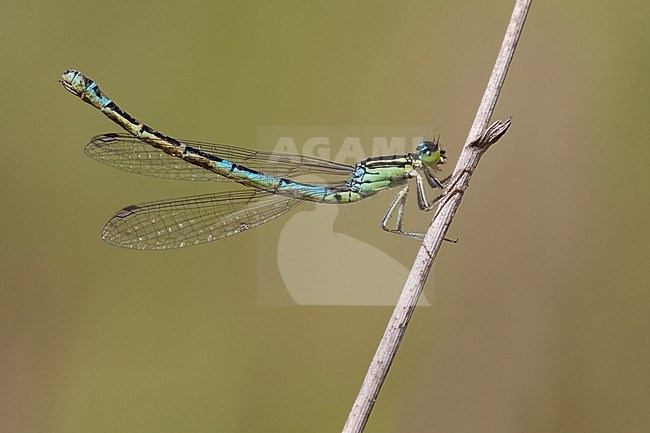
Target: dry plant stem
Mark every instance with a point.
(478, 141)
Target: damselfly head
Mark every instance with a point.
(430, 153)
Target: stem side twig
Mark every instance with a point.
(478, 141)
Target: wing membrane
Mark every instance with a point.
(194, 220)
(127, 153)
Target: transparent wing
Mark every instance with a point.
(194, 220)
(127, 153)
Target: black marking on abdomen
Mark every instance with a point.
(208, 156)
(121, 112)
(282, 183)
(95, 90)
(245, 169)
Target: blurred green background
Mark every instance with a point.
(540, 321)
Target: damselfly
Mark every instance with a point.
(272, 192)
